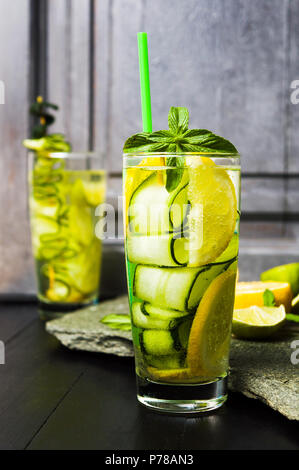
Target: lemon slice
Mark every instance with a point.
(91, 193)
(81, 224)
(285, 273)
(95, 191)
(258, 322)
(295, 304)
(251, 293)
(77, 193)
(208, 347)
(213, 214)
(170, 375)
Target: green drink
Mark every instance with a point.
(181, 249)
(181, 224)
(64, 191)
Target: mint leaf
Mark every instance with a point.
(178, 120)
(292, 317)
(117, 321)
(163, 135)
(136, 141)
(148, 142)
(173, 177)
(205, 141)
(268, 298)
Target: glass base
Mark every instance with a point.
(49, 311)
(178, 398)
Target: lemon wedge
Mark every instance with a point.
(209, 340)
(251, 293)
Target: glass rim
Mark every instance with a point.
(181, 154)
(68, 155)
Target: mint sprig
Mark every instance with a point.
(48, 144)
(178, 139)
(292, 317)
(268, 298)
(42, 117)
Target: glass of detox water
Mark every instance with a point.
(64, 191)
(181, 252)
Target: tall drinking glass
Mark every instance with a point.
(64, 191)
(181, 241)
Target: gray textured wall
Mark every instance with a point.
(230, 61)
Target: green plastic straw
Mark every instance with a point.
(145, 91)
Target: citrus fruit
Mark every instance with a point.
(258, 322)
(94, 192)
(213, 213)
(89, 192)
(295, 304)
(284, 273)
(251, 293)
(209, 339)
(170, 375)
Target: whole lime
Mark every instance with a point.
(284, 273)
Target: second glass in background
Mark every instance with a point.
(64, 192)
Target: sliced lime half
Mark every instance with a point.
(258, 322)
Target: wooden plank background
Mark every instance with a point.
(230, 61)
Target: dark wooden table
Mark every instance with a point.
(53, 398)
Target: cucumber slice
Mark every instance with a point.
(178, 289)
(140, 320)
(180, 207)
(44, 208)
(160, 250)
(152, 210)
(41, 226)
(175, 361)
(160, 313)
(231, 251)
(159, 343)
(44, 225)
(83, 270)
(53, 248)
(184, 332)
